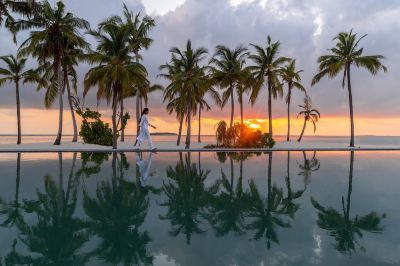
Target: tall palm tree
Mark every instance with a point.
(116, 73)
(228, 70)
(309, 114)
(345, 54)
(25, 8)
(15, 73)
(291, 76)
(53, 29)
(341, 226)
(188, 80)
(266, 68)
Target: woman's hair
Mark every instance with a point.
(145, 110)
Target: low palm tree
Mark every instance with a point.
(15, 73)
(341, 226)
(309, 114)
(308, 166)
(116, 73)
(228, 70)
(291, 76)
(266, 69)
(53, 30)
(345, 54)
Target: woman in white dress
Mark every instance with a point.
(144, 133)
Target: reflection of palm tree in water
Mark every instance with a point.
(308, 167)
(340, 226)
(187, 198)
(116, 215)
(58, 235)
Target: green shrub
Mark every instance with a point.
(93, 129)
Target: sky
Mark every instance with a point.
(305, 29)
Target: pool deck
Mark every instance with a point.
(195, 147)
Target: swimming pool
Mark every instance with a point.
(279, 208)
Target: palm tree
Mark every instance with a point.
(116, 215)
(116, 73)
(341, 226)
(187, 80)
(308, 167)
(15, 73)
(266, 68)
(187, 198)
(26, 8)
(291, 76)
(309, 114)
(228, 71)
(345, 54)
(54, 29)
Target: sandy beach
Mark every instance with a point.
(169, 146)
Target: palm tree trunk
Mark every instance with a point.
(138, 110)
(71, 175)
(288, 113)
(178, 142)
(189, 124)
(18, 179)
(269, 178)
(61, 106)
(71, 107)
(199, 162)
(302, 131)
(18, 111)
(350, 188)
(114, 119)
(232, 174)
(60, 182)
(199, 138)
(270, 108)
(121, 115)
(232, 105)
(351, 106)
(241, 108)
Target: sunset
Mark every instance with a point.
(199, 132)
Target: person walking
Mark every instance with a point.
(144, 133)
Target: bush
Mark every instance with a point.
(241, 136)
(93, 130)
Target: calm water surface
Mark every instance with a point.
(280, 208)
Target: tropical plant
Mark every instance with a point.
(15, 73)
(345, 54)
(309, 114)
(187, 80)
(187, 198)
(341, 226)
(54, 31)
(291, 76)
(116, 214)
(266, 69)
(228, 71)
(26, 8)
(116, 74)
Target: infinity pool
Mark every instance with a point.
(280, 208)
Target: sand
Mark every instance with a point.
(169, 146)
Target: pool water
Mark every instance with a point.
(280, 208)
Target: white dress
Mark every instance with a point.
(144, 168)
(144, 133)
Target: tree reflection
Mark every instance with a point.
(116, 215)
(188, 198)
(57, 236)
(267, 214)
(341, 226)
(308, 167)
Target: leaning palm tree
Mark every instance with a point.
(54, 28)
(341, 226)
(15, 73)
(116, 73)
(345, 54)
(266, 68)
(228, 70)
(188, 80)
(309, 114)
(291, 76)
(308, 166)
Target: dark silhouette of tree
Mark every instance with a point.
(308, 167)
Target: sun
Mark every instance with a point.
(254, 126)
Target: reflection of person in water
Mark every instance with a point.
(144, 168)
